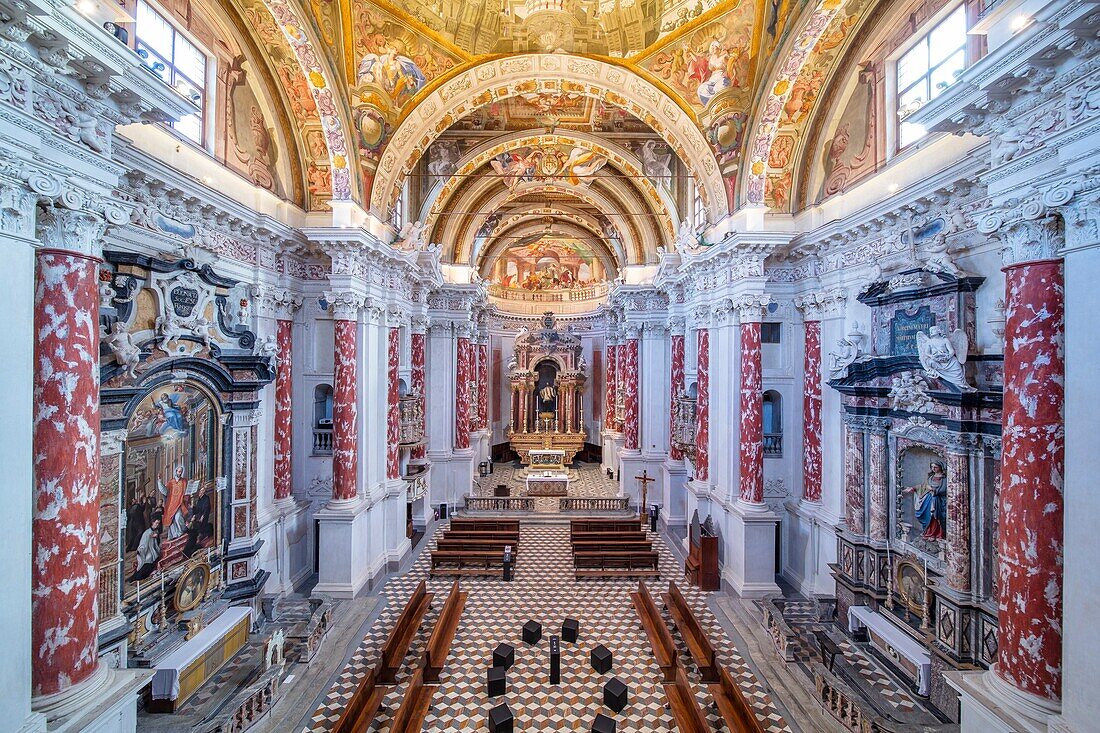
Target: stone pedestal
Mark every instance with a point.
(750, 550)
(674, 498)
(343, 548)
(106, 702)
(988, 704)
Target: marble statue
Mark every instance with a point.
(411, 236)
(121, 343)
(686, 237)
(848, 350)
(943, 354)
(938, 257)
(268, 348)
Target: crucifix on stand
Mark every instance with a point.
(644, 479)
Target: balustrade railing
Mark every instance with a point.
(322, 442)
(499, 503)
(593, 503)
(773, 444)
(590, 292)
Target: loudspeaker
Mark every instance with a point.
(555, 661)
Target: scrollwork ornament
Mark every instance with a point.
(1031, 240)
(78, 231)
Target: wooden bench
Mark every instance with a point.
(475, 524)
(462, 544)
(603, 525)
(660, 638)
(638, 536)
(733, 706)
(467, 562)
(610, 546)
(509, 537)
(414, 706)
(702, 651)
(401, 636)
(362, 707)
(609, 563)
(685, 708)
(439, 644)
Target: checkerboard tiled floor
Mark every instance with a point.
(543, 590)
(587, 479)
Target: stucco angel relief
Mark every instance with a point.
(943, 354)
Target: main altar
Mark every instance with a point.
(547, 377)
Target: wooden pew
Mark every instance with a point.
(363, 705)
(439, 644)
(509, 537)
(467, 562)
(414, 707)
(448, 543)
(660, 638)
(638, 536)
(609, 546)
(731, 702)
(477, 524)
(401, 636)
(685, 708)
(702, 651)
(603, 525)
(609, 563)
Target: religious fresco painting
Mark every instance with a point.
(921, 499)
(170, 476)
(548, 264)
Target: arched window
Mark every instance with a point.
(773, 424)
(322, 420)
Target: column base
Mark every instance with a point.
(631, 464)
(612, 443)
(817, 530)
(106, 702)
(674, 497)
(343, 568)
(750, 550)
(988, 704)
(287, 526)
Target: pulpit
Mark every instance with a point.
(547, 377)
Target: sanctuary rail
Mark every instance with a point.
(593, 503)
(499, 503)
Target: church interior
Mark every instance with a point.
(531, 365)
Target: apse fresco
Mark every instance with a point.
(170, 478)
(548, 264)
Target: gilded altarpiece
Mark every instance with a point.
(180, 372)
(922, 451)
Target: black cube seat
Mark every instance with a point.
(500, 719)
(614, 694)
(601, 659)
(603, 724)
(504, 656)
(496, 681)
(570, 629)
(532, 632)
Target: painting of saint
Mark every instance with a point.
(711, 72)
(148, 552)
(931, 506)
(393, 71)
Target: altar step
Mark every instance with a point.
(547, 517)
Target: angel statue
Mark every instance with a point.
(174, 492)
(268, 348)
(411, 236)
(121, 343)
(848, 350)
(686, 238)
(943, 354)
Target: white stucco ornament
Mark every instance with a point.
(848, 350)
(943, 354)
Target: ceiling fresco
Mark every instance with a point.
(547, 260)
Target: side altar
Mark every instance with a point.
(547, 377)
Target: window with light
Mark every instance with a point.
(699, 213)
(180, 63)
(927, 69)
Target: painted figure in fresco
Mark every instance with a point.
(397, 74)
(171, 415)
(174, 491)
(582, 165)
(137, 521)
(711, 72)
(931, 508)
(148, 552)
(199, 527)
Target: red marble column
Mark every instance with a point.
(751, 449)
(483, 386)
(853, 481)
(1032, 465)
(629, 376)
(676, 382)
(958, 522)
(702, 408)
(877, 483)
(284, 424)
(393, 406)
(609, 391)
(345, 429)
(64, 615)
(620, 385)
(418, 381)
(811, 413)
(462, 393)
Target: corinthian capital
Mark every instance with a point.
(821, 304)
(1031, 240)
(17, 209)
(77, 231)
(345, 305)
(750, 306)
(273, 302)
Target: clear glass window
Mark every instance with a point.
(929, 67)
(180, 63)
